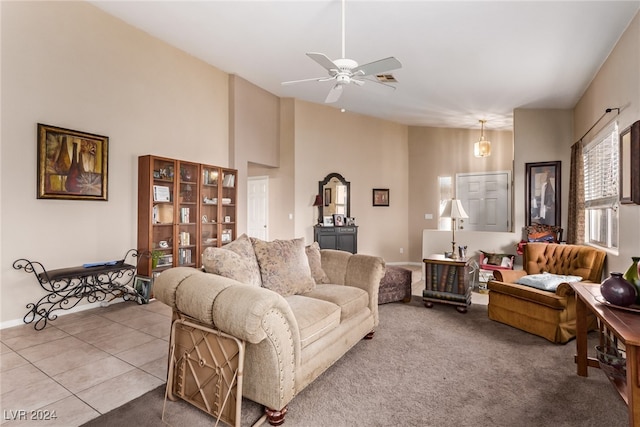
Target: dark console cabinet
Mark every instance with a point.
(341, 238)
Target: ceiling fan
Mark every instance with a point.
(345, 71)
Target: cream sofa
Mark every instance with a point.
(291, 338)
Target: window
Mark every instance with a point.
(446, 193)
(601, 160)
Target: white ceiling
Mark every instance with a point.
(461, 61)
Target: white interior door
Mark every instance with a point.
(258, 207)
(487, 200)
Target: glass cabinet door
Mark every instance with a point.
(209, 207)
(163, 212)
(187, 214)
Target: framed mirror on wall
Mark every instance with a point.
(335, 190)
(630, 164)
(542, 203)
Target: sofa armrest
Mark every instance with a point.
(366, 272)
(256, 315)
(508, 276)
(233, 307)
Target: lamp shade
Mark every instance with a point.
(453, 209)
(482, 148)
(318, 201)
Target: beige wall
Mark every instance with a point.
(370, 153)
(253, 134)
(617, 84)
(69, 64)
(541, 135)
(435, 152)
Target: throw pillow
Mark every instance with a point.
(547, 281)
(284, 266)
(235, 260)
(315, 264)
(496, 259)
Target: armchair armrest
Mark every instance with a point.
(508, 276)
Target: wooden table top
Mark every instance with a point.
(625, 323)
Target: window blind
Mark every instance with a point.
(601, 160)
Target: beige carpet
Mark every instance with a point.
(430, 367)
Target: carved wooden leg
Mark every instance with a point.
(274, 416)
(369, 336)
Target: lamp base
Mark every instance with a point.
(454, 254)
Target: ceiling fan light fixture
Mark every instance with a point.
(482, 148)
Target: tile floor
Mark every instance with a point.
(82, 364)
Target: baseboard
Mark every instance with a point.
(417, 264)
(61, 313)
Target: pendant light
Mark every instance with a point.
(482, 148)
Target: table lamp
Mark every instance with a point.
(318, 203)
(454, 210)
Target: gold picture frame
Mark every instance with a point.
(72, 165)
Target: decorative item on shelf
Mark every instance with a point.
(338, 220)
(327, 221)
(482, 148)
(155, 256)
(350, 221)
(462, 252)
(618, 291)
(632, 275)
(185, 173)
(454, 210)
(318, 203)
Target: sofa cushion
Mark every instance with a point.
(236, 261)
(350, 299)
(547, 281)
(315, 317)
(284, 266)
(315, 263)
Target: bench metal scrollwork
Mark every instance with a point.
(66, 287)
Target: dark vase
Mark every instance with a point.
(618, 291)
(631, 275)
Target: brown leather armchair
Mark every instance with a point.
(551, 315)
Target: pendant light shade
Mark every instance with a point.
(482, 148)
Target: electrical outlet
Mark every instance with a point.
(428, 216)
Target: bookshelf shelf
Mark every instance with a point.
(448, 281)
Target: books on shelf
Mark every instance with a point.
(184, 215)
(184, 256)
(229, 180)
(185, 238)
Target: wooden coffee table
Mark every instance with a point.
(623, 324)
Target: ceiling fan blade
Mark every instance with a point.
(378, 67)
(315, 79)
(374, 80)
(323, 60)
(334, 94)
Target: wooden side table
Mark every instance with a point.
(448, 281)
(625, 325)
